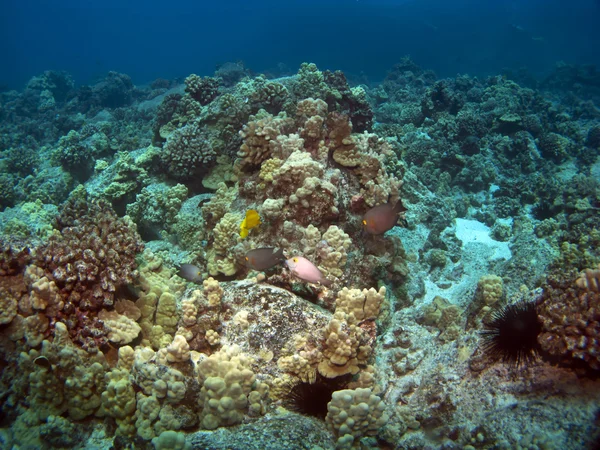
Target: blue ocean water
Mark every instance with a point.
(151, 39)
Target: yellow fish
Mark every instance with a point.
(252, 220)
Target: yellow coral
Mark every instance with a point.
(170, 440)
(257, 134)
(490, 289)
(166, 312)
(212, 337)
(44, 294)
(343, 350)
(285, 145)
(8, 306)
(121, 329)
(353, 414)
(219, 204)
(178, 350)
(213, 292)
(227, 388)
(189, 310)
(363, 304)
(118, 401)
(339, 243)
(268, 168)
(220, 258)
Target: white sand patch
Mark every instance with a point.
(479, 250)
(472, 232)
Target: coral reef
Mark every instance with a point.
(407, 338)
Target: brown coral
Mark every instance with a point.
(13, 258)
(202, 89)
(190, 150)
(88, 259)
(257, 136)
(570, 313)
(92, 255)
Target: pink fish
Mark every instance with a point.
(305, 270)
(382, 218)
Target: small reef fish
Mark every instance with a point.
(382, 218)
(190, 272)
(263, 258)
(252, 220)
(305, 270)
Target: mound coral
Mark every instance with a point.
(354, 413)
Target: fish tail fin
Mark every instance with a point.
(279, 255)
(399, 207)
(325, 282)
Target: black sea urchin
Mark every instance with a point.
(513, 333)
(311, 399)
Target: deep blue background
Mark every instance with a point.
(149, 39)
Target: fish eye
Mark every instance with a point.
(295, 259)
(246, 258)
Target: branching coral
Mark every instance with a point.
(202, 89)
(77, 151)
(257, 136)
(339, 97)
(92, 254)
(189, 151)
(157, 207)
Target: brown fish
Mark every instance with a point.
(263, 258)
(190, 272)
(382, 218)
